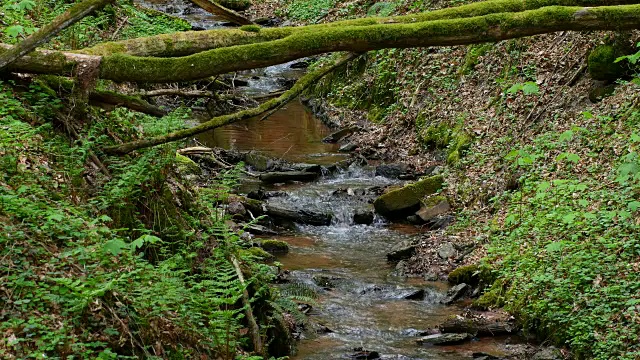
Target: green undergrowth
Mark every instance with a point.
(567, 251)
(129, 262)
(123, 20)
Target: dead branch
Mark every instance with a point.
(217, 9)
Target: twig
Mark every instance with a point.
(576, 76)
(253, 325)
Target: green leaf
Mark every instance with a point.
(530, 88)
(114, 246)
(566, 136)
(14, 31)
(573, 158)
(634, 205)
(514, 88)
(554, 247)
(587, 115)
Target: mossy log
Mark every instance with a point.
(303, 83)
(191, 42)
(61, 22)
(488, 28)
(227, 14)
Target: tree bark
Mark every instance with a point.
(219, 121)
(488, 28)
(191, 42)
(178, 92)
(68, 18)
(227, 14)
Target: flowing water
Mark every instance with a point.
(365, 307)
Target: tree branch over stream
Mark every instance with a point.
(479, 29)
(302, 84)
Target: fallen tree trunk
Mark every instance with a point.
(178, 92)
(191, 42)
(489, 28)
(61, 22)
(219, 121)
(98, 97)
(302, 216)
(227, 14)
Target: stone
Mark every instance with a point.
(299, 65)
(363, 216)
(602, 65)
(187, 166)
(339, 135)
(361, 354)
(431, 276)
(401, 268)
(414, 219)
(285, 176)
(550, 353)
(274, 246)
(237, 209)
(446, 251)
(258, 161)
(432, 207)
(407, 199)
(348, 147)
(415, 295)
(392, 171)
(444, 339)
(401, 251)
(454, 293)
(326, 281)
(440, 222)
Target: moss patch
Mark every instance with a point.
(257, 253)
(187, 166)
(602, 65)
(274, 246)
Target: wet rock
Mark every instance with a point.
(363, 216)
(444, 339)
(299, 65)
(314, 168)
(239, 82)
(348, 147)
(407, 199)
(392, 171)
(401, 251)
(259, 229)
(237, 209)
(300, 216)
(416, 295)
(321, 329)
(484, 356)
(432, 207)
(197, 28)
(454, 293)
(285, 176)
(268, 22)
(274, 246)
(361, 354)
(550, 353)
(414, 219)
(339, 135)
(401, 269)
(258, 161)
(431, 276)
(446, 251)
(440, 222)
(327, 281)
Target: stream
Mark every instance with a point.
(360, 301)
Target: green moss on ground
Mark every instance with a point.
(602, 65)
(398, 201)
(259, 253)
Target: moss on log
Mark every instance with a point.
(191, 42)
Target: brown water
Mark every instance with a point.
(291, 133)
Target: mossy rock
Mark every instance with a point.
(187, 166)
(237, 5)
(602, 65)
(436, 136)
(471, 274)
(274, 246)
(407, 199)
(494, 297)
(258, 161)
(258, 253)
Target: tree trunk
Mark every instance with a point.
(488, 28)
(227, 14)
(219, 121)
(191, 42)
(68, 18)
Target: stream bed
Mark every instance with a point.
(362, 304)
